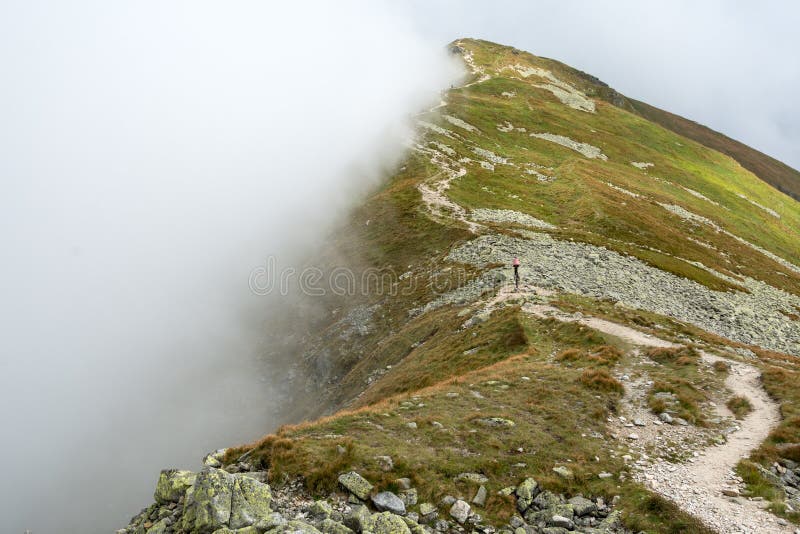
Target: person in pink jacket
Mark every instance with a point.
(515, 263)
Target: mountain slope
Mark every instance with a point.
(659, 277)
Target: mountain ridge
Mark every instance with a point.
(659, 282)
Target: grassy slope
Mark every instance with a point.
(772, 171)
(566, 398)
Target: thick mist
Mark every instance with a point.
(151, 155)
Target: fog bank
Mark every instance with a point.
(153, 153)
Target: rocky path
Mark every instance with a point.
(697, 485)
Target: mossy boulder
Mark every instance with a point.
(208, 502)
(355, 484)
(389, 523)
(295, 527)
(250, 502)
(172, 485)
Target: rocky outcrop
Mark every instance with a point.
(216, 501)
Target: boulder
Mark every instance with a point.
(321, 510)
(329, 526)
(460, 511)
(582, 506)
(172, 485)
(386, 501)
(355, 484)
(409, 497)
(480, 497)
(359, 519)
(561, 521)
(526, 492)
(160, 527)
(295, 527)
(250, 502)
(208, 502)
(388, 523)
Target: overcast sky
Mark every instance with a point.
(728, 64)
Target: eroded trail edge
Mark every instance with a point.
(697, 485)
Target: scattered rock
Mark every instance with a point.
(480, 497)
(386, 501)
(355, 484)
(460, 511)
(563, 472)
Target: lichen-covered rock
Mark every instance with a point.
(359, 519)
(526, 492)
(355, 484)
(295, 527)
(250, 502)
(582, 506)
(388, 523)
(208, 502)
(160, 527)
(172, 485)
(321, 510)
(329, 526)
(214, 459)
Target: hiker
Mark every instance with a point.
(515, 263)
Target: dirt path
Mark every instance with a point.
(696, 486)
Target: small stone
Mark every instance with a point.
(563, 472)
(426, 508)
(730, 492)
(605, 474)
(460, 511)
(638, 422)
(500, 422)
(480, 497)
(665, 417)
(412, 425)
(633, 436)
(476, 478)
(403, 483)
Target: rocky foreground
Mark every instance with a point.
(236, 499)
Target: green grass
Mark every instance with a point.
(740, 406)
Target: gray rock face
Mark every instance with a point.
(386, 501)
(208, 502)
(460, 511)
(250, 502)
(355, 484)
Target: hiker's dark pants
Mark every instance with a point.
(516, 275)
